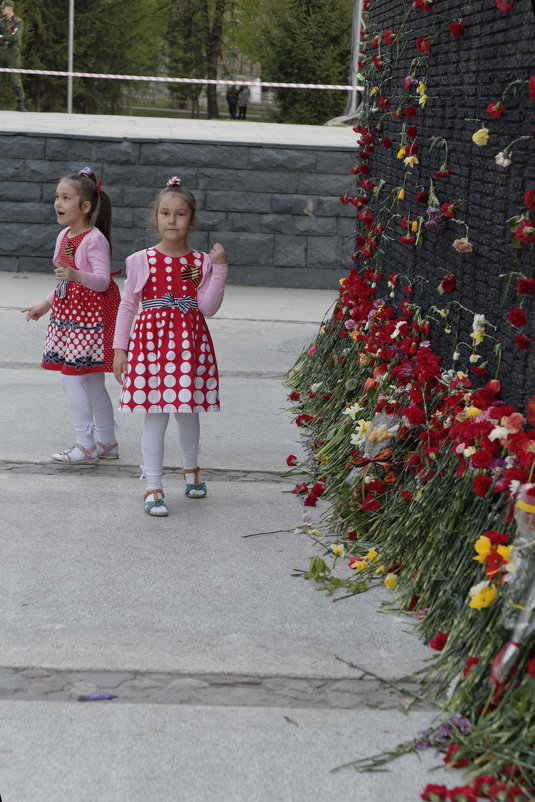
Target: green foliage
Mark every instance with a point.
(307, 41)
(109, 37)
(184, 49)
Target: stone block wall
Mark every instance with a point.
(491, 61)
(275, 208)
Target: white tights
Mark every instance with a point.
(91, 408)
(152, 443)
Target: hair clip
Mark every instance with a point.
(86, 171)
(99, 185)
(174, 182)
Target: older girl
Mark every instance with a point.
(171, 364)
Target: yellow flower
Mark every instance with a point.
(443, 312)
(414, 225)
(372, 555)
(341, 280)
(472, 412)
(410, 161)
(313, 532)
(401, 194)
(505, 552)
(390, 581)
(324, 458)
(401, 153)
(481, 137)
(423, 100)
(421, 88)
(359, 565)
(338, 549)
(483, 547)
(482, 595)
(477, 337)
(374, 90)
(380, 570)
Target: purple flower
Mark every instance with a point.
(87, 171)
(431, 225)
(433, 211)
(462, 723)
(441, 220)
(443, 732)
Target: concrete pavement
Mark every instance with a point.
(224, 667)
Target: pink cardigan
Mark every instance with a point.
(209, 293)
(92, 257)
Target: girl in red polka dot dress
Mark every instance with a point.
(168, 365)
(83, 310)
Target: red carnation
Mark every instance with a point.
(496, 109)
(317, 490)
(422, 197)
(522, 342)
(525, 231)
(505, 5)
(375, 41)
(410, 111)
(439, 641)
(531, 667)
(448, 283)
(481, 372)
(452, 749)
(366, 183)
(442, 173)
(482, 485)
(387, 143)
(437, 791)
(407, 240)
(457, 29)
(390, 37)
(472, 661)
(496, 537)
(294, 396)
(412, 130)
(364, 168)
(415, 415)
(378, 63)
(383, 103)
(423, 44)
(291, 460)
(482, 458)
(529, 199)
(525, 286)
(448, 208)
(517, 317)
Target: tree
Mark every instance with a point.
(185, 52)
(109, 37)
(307, 41)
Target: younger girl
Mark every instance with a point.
(171, 363)
(84, 307)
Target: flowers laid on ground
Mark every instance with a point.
(417, 466)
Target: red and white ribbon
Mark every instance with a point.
(167, 80)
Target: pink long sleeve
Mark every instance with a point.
(212, 287)
(97, 258)
(128, 309)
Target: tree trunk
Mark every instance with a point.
(212, 37)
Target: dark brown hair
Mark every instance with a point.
(89, 190)
(176, 190)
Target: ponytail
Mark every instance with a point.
(89, 190)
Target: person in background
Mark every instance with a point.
(243, 101)
(10, 38)
(232, 100)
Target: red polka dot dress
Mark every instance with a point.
(82, 321)
(171, 359)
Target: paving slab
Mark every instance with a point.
(188, 593)
(224, 665)
(151, 753)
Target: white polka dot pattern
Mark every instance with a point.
(166, 371)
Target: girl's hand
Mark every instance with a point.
(218, 255)
(119, 365)
(66, 273)
(36, 311)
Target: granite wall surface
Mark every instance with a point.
(275, 208)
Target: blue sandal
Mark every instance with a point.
(195, 489)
